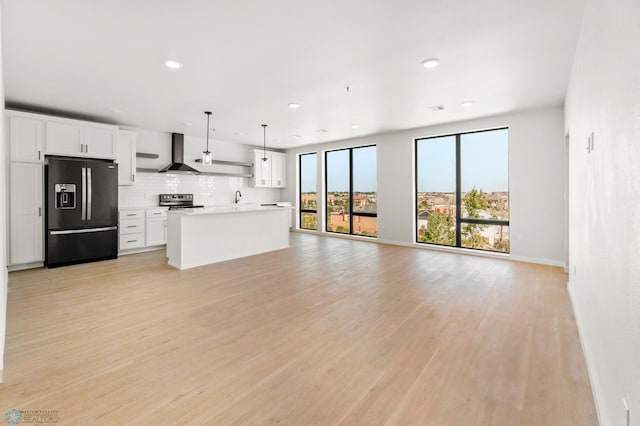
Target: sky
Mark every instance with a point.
(484, 162)
(364, 170)
(484, 158)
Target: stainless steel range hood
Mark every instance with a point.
(177, 164)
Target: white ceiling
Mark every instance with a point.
(246, 60)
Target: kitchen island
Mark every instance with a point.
(197, 237)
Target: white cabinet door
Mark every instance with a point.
(278, 170)
(26, 137)
(156, 231)
(156, 226)
(126, 158)
(26, 213)
(100, 143)
(64, 139)
(78, 140)
(261, 169)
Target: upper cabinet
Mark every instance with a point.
(278, 170)
(26, 138)
(31, 136)
(80, 139)
(126, 157)
(270, 173)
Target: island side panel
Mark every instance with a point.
(216, 237)
(174, 238)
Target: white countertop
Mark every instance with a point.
(237, 208)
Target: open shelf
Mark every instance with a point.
(227, 163)
(146, 155)
(243, 175)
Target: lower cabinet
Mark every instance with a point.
(142, 228)
(131, 229)
(26, 213)
(156, 227)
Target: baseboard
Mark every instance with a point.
(538, 260)
(1, 376)
(24, 266)
(592, 371)
(141, 250)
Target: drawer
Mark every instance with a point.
(130, 241)
(131, 214)
(131, 226)
(156, 213)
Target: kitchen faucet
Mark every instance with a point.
(237, 197)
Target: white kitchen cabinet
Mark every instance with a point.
(262, 170)
(126, 157)
(278, 170)
(270, 173)
(156, 231)
(26, 213)
(80, 139)
(26, 138)
(64, 139)
(101, 142)
(131, 229)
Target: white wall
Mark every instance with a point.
(536, 170)
(3, 221)
(604, 260)
(207, 190)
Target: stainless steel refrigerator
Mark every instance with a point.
(82, 211)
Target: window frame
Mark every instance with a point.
(301, 211)
(351, 212)
(459, 220)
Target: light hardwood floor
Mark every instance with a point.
(328, 332)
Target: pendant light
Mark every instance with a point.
(264, 144)
(207, 158)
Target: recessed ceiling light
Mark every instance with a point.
(296, 136)
(186, 124)
(294, 105)
(467, 104)
(355, 126)
(437, 108)
(430, 63)
(174, 65)
(116, 110)
(322, 130)
(238, 133)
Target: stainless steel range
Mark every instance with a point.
(178, 201)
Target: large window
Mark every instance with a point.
(352, 191)
(308, 191)
(462, 186)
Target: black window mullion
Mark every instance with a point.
(458, 195)
(351, 191)
(326, 193)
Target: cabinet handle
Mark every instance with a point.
(132, 214)
(38, 155)
(86, 147)
(133, 178)
(132, 241)
(81, 147)
(132, 226)
(40, 211)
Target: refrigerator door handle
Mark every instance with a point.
(83, 231)
(88, 193)
(83, 208)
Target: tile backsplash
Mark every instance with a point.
(206, 190)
